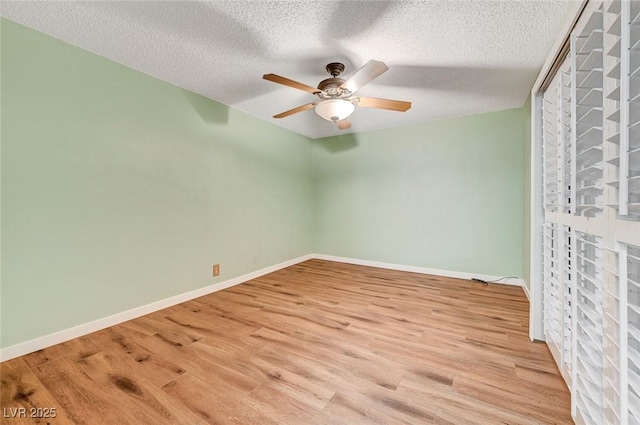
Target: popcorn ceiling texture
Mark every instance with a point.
(450, 58)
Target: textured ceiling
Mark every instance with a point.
(450, 58)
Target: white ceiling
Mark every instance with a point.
(450, 58)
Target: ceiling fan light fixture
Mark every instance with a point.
(337, 102)
(335, 109)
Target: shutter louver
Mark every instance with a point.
(633, 334)
(567, 314)
(631, 73)
(588, 365)
(587, 73)
(552, 292)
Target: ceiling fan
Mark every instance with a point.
(337, 101)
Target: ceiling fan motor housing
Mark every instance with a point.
(330, 83)
(331, 86)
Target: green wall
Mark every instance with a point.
(444, 195)
(119, 189)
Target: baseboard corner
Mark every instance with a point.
(58, 337)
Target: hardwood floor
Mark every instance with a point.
(316, 343)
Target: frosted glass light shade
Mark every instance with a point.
(335, 109)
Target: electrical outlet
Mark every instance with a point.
(216, 270)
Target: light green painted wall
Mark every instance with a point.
(526, 194)
(119, 189)
(444, 195)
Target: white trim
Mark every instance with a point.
(627, 232)
(536, 326)
(525, 288)
(96, 325)
(573, 13)
(416, 269)
(596, 226)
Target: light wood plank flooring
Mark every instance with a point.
(316, 343)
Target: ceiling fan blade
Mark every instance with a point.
(295, 110)
(369, 72)
(392, 105)
(344, 124)
(287, 82)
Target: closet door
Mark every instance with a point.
(587, 75)
(591, 229)
(621, 319)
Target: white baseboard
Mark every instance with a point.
(421, 270)
(525, 288)
(96, 325)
